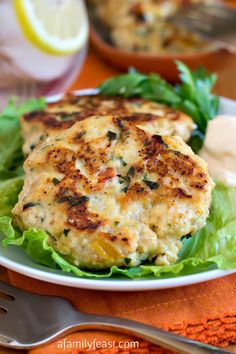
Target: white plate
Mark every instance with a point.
(15, 259)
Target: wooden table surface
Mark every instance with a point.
(226, 86)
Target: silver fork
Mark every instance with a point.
(28, 320)
(214, 21)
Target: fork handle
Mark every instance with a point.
(154, 335)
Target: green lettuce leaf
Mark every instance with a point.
(11, 157)
(211, 247)
(9, 191)
(216, 242)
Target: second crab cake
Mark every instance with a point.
(156, 118)
(109, 193)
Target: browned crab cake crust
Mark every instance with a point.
(36, 126)
(109, 193)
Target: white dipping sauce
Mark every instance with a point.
(219, 149)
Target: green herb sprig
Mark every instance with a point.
(193, 95)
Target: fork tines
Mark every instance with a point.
(212, 20)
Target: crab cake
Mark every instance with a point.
(36, 126)
(109, 193)
(144, 27)
(158, 37)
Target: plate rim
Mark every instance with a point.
(113, 284)
(108, 284)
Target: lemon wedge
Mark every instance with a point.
(57, 27)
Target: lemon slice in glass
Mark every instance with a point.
(56, 27)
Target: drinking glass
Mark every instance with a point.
(25, 71)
